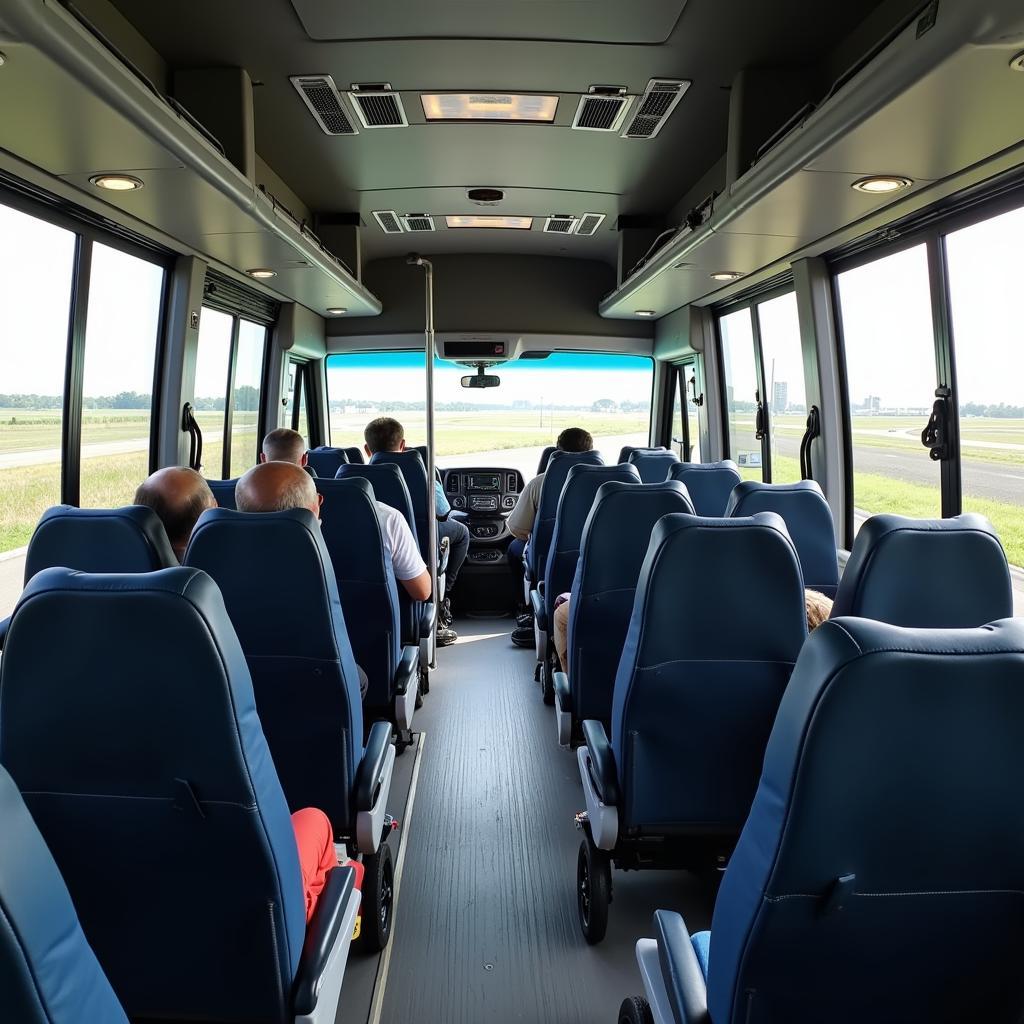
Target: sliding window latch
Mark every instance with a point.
(935, 436)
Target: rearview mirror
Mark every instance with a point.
(481, 380)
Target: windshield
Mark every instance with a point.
(609, 395)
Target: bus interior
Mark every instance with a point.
(692, 314)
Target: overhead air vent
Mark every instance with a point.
(418, 222)
(388, 221)
(589, 223)
(602, 109)
(658, 101)
(321, 95)
(377, 106)
(560, 224)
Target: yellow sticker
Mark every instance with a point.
(358, 928)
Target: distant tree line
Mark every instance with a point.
(1002, 411)
(247, 399)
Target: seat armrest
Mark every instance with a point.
(408, 668)
(537, 604)
(322, 934)
(427, 617)
(563, 695)
(444, 548)
(370, 776)
(602, 762)
(5, 624)
(680, 969)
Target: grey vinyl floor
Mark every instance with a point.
(486, 926)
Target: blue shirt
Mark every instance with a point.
(441, 506)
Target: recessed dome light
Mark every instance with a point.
(1016, 61)
(645, 312)
(261, 272)
(337, 310)
(725, 275)
(117, 182)
(880, 184)
(3, 58)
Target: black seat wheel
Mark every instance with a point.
(378, 905)
(635, 1010)
(593, 891)
(403, 739)
(547, 682)
(424, 682)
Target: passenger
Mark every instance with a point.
(520, 523)
(386, 434)
(819, 608)
(179, 496)
(284, 445)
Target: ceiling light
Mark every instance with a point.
(880, 184)
(1016, 61)
(261, 272)
(116, 182)
(337, 310)
(725, 275)
(483, 220)
(644, 312)
(488, 106)
(3, 58)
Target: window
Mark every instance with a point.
(986, 273)
(888, 338)
(245, 406)
(693, 390)
(300, 414)
(122, 329)
(212, 362)
(609, 395)
(37, 263)
(742, 391)
(686, 428)
(678, 426)
(779, 328)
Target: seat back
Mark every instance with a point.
(578, 496)
(545, 458)
(355, 455)
(414, 472)
(137, 748)
(612, 550)
(809, 522)
(717, 624)
(653, 466)
(325, 460)
(388, 486)
(709, 484)
(281, 595)
(48, 971)
(130, 539)
(547, 506)
(936, 573)
(627, 450)
(880, 874)
(366, 583)
(224, 492)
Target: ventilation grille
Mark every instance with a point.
(388, 221)
(378, 107)
(658, 101)
(597, 113)
(560, 224)
(321, 95)
(589, 223)
(418, 222)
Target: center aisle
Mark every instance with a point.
(486, 926)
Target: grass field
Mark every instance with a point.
(110, 478)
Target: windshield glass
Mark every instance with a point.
(609, 395)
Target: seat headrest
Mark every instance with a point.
(709, 483)
(325, 460)
(545, 458)
(130, 539)
(653, 466)
(582, 485)
(411, 456)
(934, 573)
(350, 483)
(627, 449)
(224, 492)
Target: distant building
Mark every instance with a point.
(780, 396)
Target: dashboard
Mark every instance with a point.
(483, 497)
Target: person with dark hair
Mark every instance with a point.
(386, 434)
(284, 445)
(520, 524)
(179, 496)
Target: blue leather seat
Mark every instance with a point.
(808, 519)
(48, 971)
(129, 539)
(369, 598)
(880, 873)
(224, 492)
(325, 460)
(627, 450)
(709, 484)
(279, 589)
(355, 455)
(653, 466)
(137, 748)
(717, 624)
(937, 573)
(545, 458)
(410, 464)
(612, 552)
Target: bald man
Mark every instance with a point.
(284, 445)
(179, 497)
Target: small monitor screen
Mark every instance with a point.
(484, 482)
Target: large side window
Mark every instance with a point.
(694, 395)
(122, 330)
(742, 392)
(785, 396)
(889, 344)
(986, 274)
(213, 361)
(245, 396)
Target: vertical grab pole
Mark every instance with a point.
(428, 268)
